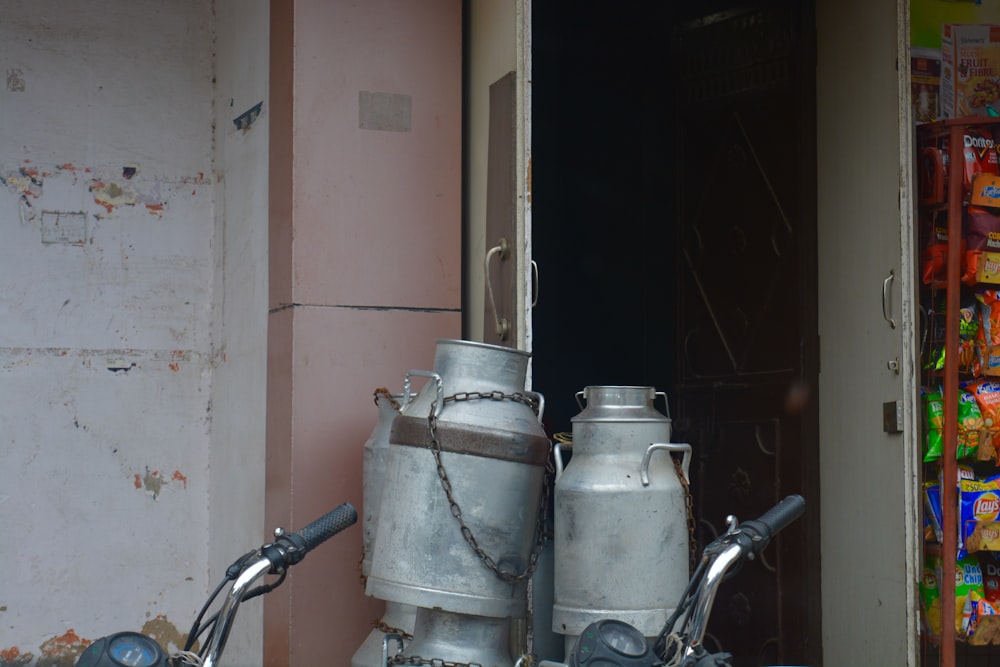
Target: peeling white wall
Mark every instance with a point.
(236, 491)
(108, 263)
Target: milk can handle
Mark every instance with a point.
(541, 404)
(438, 399)
(670, 447)
(557, 454)
(666, 404)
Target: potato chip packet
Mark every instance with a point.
(968, 593)
(930, 596)
(979, 515)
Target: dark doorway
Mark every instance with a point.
(673, 213)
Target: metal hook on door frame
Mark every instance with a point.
(503, 249)
(534, 282)
(886, 284)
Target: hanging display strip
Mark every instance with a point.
(959, 226)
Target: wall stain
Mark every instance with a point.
(109, 191)
(62, 651)
(153, 482)
(12, 657)
(111, 195)
(15, 80)
(23, 181)
(166, 634)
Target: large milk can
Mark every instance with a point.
(398, 618)
(620, 519)
(463, 485)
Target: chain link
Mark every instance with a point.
(434, 662)
(387, 629)
(689, 509)
(456, 510)
(382, 392)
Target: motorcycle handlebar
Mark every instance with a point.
(289, 549)
(328, 525)
(767, 525)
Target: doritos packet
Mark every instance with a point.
(989, 563)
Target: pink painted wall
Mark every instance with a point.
(365, 262)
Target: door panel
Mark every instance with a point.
(746, 311)
(864, 232)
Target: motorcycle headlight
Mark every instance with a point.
(123, 649)
(611, 643)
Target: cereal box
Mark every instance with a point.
(970, 70)
(925, 83)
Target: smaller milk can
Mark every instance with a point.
(457, 527)
(446, 638)
(373, 467)
(398, 617)
(620, 518)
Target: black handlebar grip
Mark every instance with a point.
(767, 525)
(328, 525)
(785, 512)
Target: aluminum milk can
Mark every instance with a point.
(376, 453)
(443, 637)
(493, 452)
(620, 517)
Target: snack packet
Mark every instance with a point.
(970, 427)
(982, 235)
(987, 393)
(930, 596)
(970, 337)
(968, 593)
(989, 335)
(989, 563)
(934, 250)
(934, 424)
(978, 515)
(932, 511)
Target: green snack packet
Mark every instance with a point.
(968, 589)
(934, 422)
(930, 595)
(970, 423)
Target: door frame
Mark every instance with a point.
(869, 478)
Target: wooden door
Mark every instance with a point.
(746, 320)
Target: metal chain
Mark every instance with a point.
(435, 662)
(689, 508)
(456, 510)
(385, 393)
(387, 629)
